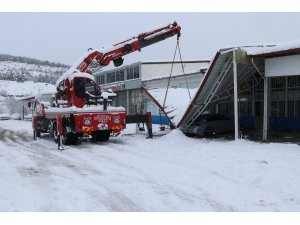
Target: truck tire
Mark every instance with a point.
(38, 133)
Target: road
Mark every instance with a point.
(132, 173)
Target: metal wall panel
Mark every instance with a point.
(282, 66)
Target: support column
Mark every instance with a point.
(149, 125)
(235, 88)
(59, 122)
(266, 110)
(128, 101)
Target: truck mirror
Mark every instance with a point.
(29, 104)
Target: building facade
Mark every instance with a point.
(127, 81)
(257, 86)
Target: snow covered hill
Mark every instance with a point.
(27, 88)
(27, 69)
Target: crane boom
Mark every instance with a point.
(128, 46)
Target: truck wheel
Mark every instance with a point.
(69, 139)
(101, 136)
(38, 133)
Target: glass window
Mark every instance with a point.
(294, 81)
(129, 73)
(278, 84)
(258, 109)
(191, 85)
(102, 79)
(277, 108)
(121, 99)
(290, 108)
(120, 75)
(79, 87)
(111, 77)
(133, 101)
(136, 73)
(297, 108)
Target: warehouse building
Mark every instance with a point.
(127, 81)
(257, 86)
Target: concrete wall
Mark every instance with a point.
(179, 82)
(155, 70)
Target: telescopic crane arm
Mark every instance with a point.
(128, 46)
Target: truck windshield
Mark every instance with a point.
(83, 85)
(47, 98)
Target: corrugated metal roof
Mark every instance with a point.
(214, 73)
(209, 76)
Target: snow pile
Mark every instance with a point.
(26, 88)
(131, 173)
(176, 103)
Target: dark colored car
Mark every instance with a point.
(210, 124)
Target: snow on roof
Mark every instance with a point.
(176, 102)
(267, 48)
(284, 46)
(71, 76)
(79, 74)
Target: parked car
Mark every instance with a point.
(5, 116)
(210, 124)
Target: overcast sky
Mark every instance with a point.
(63, 37)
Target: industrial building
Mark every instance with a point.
(257, 86)
(127, 81)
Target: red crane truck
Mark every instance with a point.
(79, 109)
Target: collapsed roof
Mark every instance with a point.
(217, 81)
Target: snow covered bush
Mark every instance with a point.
(16, 116)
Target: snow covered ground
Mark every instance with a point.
(177, 101)
(132, 173)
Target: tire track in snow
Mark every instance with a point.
(112, 187)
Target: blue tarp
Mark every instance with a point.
(160, 120)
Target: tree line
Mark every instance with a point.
(39, 73)
(22, 59)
